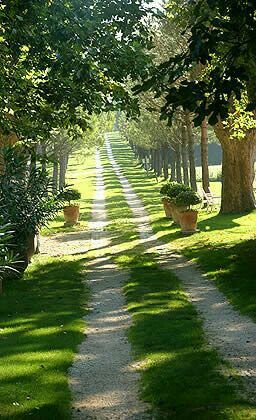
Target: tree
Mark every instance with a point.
(58, 56)
(220, 36)
(204, 156)
(161, 147)
(65, 142)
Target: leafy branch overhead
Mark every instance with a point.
(220, 35)
(58, 56)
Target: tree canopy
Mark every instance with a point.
(221, 35)
(58, 56)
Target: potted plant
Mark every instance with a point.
(188, 217)
(172, 191)
(71, 211)
(166, 201)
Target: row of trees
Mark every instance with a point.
(209, 71)
(63, 63)
(168, 151)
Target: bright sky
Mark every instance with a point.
(157, 3)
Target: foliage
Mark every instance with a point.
(165, 188)
(60, 58)
(187, 198)
(69, 194)
(26, 197)
(173, 189)
(8, 259)
(240, 121)
(180, 194)
(214, 30)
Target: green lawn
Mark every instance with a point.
(40, 328)
(41, 322)
(182, 378)
(225, 248)
(41, 316)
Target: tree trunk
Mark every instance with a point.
(165, 159)
(62, 172)
(158, 163)
(173, 165)
(147, 162)
(55, 175)
(178, 163)
(204, 157)
(66, 162)
(44, 157)
(237, 172)
(136, 151)
(33, 158)
(184, 153)
(191, 153)
(154, 161)
(151, 159)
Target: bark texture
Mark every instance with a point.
(165, 159)
(55, 175)
(184, 156)
(237, 171)
(191, 152)
(173, 165)
(204, 157)
(43, 155)
(178, 162)
(62, 171)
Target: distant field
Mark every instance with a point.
(214, 172)
(215, 178)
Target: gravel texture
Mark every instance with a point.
(103, 380)
(232, 334)
(70, 243)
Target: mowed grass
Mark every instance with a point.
(181, 377)
(41, 321)
(80, 175)
(40, 328)
(225, 248)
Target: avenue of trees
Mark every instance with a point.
(211, 74)
(170, 74)
(63, 64)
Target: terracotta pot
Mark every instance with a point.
(167, 208)
(71, 215)
(176, 210)
(175, 214)
(188, 221)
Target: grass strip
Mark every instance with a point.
(181, 377)
(225, 248)
(40, 328)
(41, 321)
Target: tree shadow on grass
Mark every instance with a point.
(233, 267)
(41, 326)
(217, 222)
(181, 376)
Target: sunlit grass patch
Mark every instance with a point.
(40, 327)
(225, 247)
(181, 376)
(81, 175)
